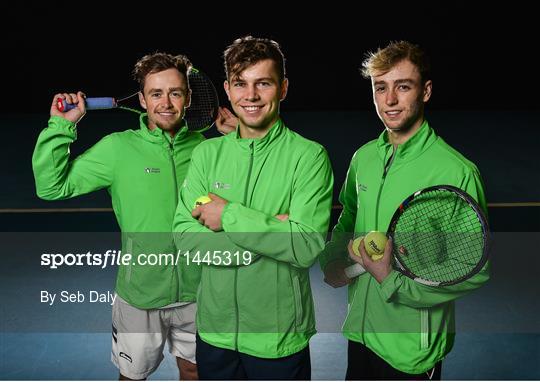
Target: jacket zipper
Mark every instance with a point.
(385, 172)
(175, 182)
(250, 169)
(129, 249)
(424, 313)
(171, 152)
(249, 173)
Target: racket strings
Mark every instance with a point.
(204, 102)
(439, 237)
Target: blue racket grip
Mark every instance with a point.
(94, 103)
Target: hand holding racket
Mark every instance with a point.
(76, 101)
(200, 116)
(439, 235)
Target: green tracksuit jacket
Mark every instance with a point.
(409, 325)
(264, 309)
(142, 170)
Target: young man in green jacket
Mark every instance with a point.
(142, 170)
(271, 194)
(397, 328)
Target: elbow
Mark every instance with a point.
(47, 194)
(308, 252)
(307, 258)
(304, 263)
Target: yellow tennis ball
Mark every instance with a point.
(202, 200)
(356, 246)
(376, 257)
(375, 242)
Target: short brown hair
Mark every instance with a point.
(158, 62)
(248, 50)
(386, 58)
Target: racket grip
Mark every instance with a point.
(354, 270)
(95, 103)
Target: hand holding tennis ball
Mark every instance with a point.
(202, 200)
(356, 247)
(374, 242)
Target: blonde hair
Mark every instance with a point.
(384, 59)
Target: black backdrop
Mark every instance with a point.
(483, 58)
(484, 71)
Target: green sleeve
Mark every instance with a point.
(194, 186)
(299, 239)
(400, 289)
(474, 186)
(336, 248)
(56, 176)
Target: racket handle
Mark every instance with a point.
(354, 270)
(95, 103)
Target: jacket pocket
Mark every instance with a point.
(424, 328)
(297, 300)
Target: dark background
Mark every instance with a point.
(483, 57)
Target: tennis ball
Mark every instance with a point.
(202, 200)
(375, 242)
(356, 246)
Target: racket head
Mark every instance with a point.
(203, 110)
(440, 236)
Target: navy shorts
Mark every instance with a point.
(216, 363)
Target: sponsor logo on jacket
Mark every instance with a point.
(221, 186)
(152, 170)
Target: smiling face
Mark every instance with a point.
(399, 96)
(165, 97)
(255, 94)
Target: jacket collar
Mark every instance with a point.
(415, 145)
(158, 135)
(259, 144)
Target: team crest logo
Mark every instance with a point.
(221, 186)
(152, 170)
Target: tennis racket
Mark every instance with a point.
(200, 115)
(440, 237)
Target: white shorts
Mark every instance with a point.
(139, 335)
